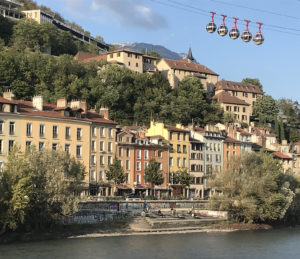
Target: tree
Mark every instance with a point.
(229, 118)
(253, 189)
(37, 188)
(153, 174)
(265, 109)
(183, 178)
(6, 29)
(282, 132)
(116, 172)
(253, 81)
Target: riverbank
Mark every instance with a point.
(119, 228)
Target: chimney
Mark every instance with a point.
(8, 95)
(104, 111)
(78, 104)
(37, 102)
(61, 103)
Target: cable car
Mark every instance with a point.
(222, 30)
(211, 26)
(234, 32)
(246, 35)
(259, 38)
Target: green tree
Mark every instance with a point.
(183, 178)
(37, 188)
(253, 81)
(6, 29)
(265, 109)
(253, 189)
(116, 172)
(229, 118)
(282, 131)
(153, 174)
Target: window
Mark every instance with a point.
(127, 178)
(127, 165)
(102, 132)
(227, 154)
(145, 165)
(129, 55)
(127, 152)
(184, 162)
(78, 151)
(127, 139)
(244, 109)
(54, 146)
(101, 161)
(178, 149)
(138, 178)
(109, 160)
(68, 131)
(120, 139)
(146, 154)
(101, 176)
(207, 158)
(128, 63)
(41, 146)
(159, 153)
(234, 145)
(120, 151)
(178, 161)
(94, 131)
(138, 154)
(118, 54)
(184, 149)
(178, 136)
(93, 175)
(11, 128)
(1, 127)
(93, 160)
(219, 147)
(93, 146)
(101, 145)
(42, 130)
(253, 95)
(137, 64)
(67, 148)
(138, 166)
(109, 147)
(10, 145)
(54, 131)
(110, 132)
(171, 161)
(1, 146)
(28, 129)
(171, 135)
(79, 133)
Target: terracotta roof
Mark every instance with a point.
(156, 136)
(186, 65)
(49, 110)
(173, 128)
(95, 58)
(244, 132)
(297, 143)
(3, 100)
(80, 56)
(232, 140)
(225, 97)
(281, 155)
(198, 129)
(237, 86)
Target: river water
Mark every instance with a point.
(278, 243)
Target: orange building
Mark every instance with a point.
(231, 148)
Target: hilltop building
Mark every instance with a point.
(9, 9)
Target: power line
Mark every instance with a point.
(199, 11)
(256, 9)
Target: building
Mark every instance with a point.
(241, 90)
(231, 149)
(135, 151)
(176, 70)
(64, 126)
(41, 17)
(178, 139)
(196, 168)
(10, 9)
(238, 107)
(131, 59)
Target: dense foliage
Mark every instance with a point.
(116, 172)
(255, 189)
(37, 188)
(153, 174)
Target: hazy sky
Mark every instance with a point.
(276, 63)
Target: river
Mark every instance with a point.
(278, 243)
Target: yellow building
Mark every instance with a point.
(178, 139)
(177, 70)
(64, 126)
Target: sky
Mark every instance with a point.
(180, 26)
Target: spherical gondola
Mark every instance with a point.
(222, 30)
(259, 38)
(211, 26)
(246, 35)
(234, 32)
